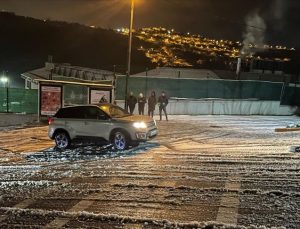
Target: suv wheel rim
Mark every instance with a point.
(61, 140)
(120, 141)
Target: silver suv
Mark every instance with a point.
(106, 122)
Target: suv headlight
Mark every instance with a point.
(140, 125)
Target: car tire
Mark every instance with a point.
(120, 140)
(62, 140)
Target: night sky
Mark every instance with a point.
(211, 18)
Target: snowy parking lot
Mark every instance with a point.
(201, 171)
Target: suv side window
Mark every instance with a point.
(63, 113)
(94, 113)
(77, 112)
(60, 113)
(70, 112)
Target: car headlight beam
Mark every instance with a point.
(140, 125)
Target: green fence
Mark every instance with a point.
(26, 101)
(19, 100)
(291, 95)
(199, 89)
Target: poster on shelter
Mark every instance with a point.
(99, 96)
(50, 99)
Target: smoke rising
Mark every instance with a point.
(254, 36)
(278, 11)
(256, 27)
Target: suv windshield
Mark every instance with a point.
(115, 111)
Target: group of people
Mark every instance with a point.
(141, 100)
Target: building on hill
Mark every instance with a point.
(167, 72)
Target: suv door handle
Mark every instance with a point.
(86, 123)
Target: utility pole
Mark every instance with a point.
(129, 51)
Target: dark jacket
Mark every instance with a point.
(151, 103)
(142, 100)
(163, 101)
(131, 101)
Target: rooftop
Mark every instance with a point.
(65, 72)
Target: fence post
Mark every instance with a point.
(39, 102)
(7, 106)
(146, 87)
(179, 89)
(284, 84)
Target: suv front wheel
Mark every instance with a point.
(62, 140)
(120, 140)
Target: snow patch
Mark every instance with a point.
(37, 184)
(85, 216)
(19, 167)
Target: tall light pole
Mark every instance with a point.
(129, 51)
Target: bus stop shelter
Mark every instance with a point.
(54, 94)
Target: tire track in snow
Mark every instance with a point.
(229, 204)
(27, 202)
(171, 181)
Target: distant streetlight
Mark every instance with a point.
(129, 51)
(5, 81)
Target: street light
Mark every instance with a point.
(129, 51)
(5, 80)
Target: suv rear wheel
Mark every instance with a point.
(62, 140)
(120, 140)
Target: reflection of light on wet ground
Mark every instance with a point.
(87, 152)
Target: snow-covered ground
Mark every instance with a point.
(201, 171)
(9, 120)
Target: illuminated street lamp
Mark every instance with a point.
(5, 80)
(129, 51)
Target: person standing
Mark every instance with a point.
(151, 104)
(163, 102)
(131, 102)
(141, 103)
